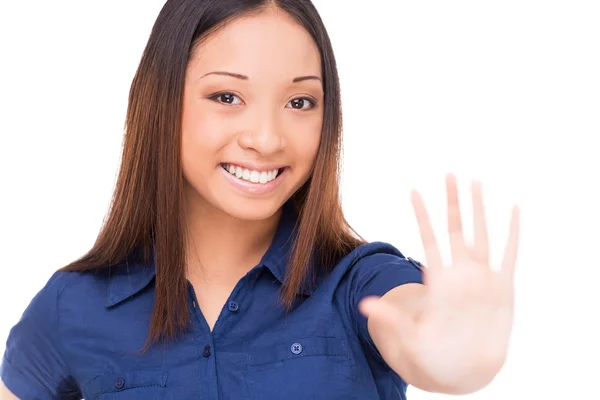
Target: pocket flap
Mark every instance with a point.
(302, 347)
(118, 381)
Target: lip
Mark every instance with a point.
(254, 189)
(255, 167)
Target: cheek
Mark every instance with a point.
(202, 139)
(305, 140)
(204, 134)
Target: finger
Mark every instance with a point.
(432, 253)
(457, 240)
(480, 242)
(510, 254)
(387, 314)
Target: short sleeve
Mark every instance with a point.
(375, 275)
(32, 366)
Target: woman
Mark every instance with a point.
(225, 268)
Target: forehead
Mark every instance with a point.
(271, 44)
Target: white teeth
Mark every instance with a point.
(261, 177)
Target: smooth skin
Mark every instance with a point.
(5, 394)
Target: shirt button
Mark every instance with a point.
(206, 351)
(233, 306)
(296, 348)
(119, 383)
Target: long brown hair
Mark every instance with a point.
(147, 210)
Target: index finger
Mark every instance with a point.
(432, 253)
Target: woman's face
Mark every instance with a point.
(252, 116)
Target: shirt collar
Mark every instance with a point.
(133, 275)
(129, 277)
(277, 257)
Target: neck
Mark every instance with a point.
(222, 248)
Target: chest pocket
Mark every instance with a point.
(302, 368)
(132, 385)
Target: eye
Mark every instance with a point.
(226, 98)
(302, 103)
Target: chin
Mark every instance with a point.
(250, 209)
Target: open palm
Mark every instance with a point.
(465, 320)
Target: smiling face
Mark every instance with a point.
(252, 116)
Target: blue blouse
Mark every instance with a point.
(80, 336)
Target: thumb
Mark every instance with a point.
(369, 305)
(388, 314)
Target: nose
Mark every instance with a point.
(265, 135)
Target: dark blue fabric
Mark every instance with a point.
(80, 336)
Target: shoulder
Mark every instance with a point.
(376, 254)
(61, 280)
(69, 284)
(65, 286)
(371, 269)
(34, 364)
(374, 263)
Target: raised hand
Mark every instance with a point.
(464, 320)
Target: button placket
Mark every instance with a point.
(206, 352)
(233, 306)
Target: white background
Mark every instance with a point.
(505, 92)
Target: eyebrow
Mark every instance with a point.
(304, 78)
(244, 77)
